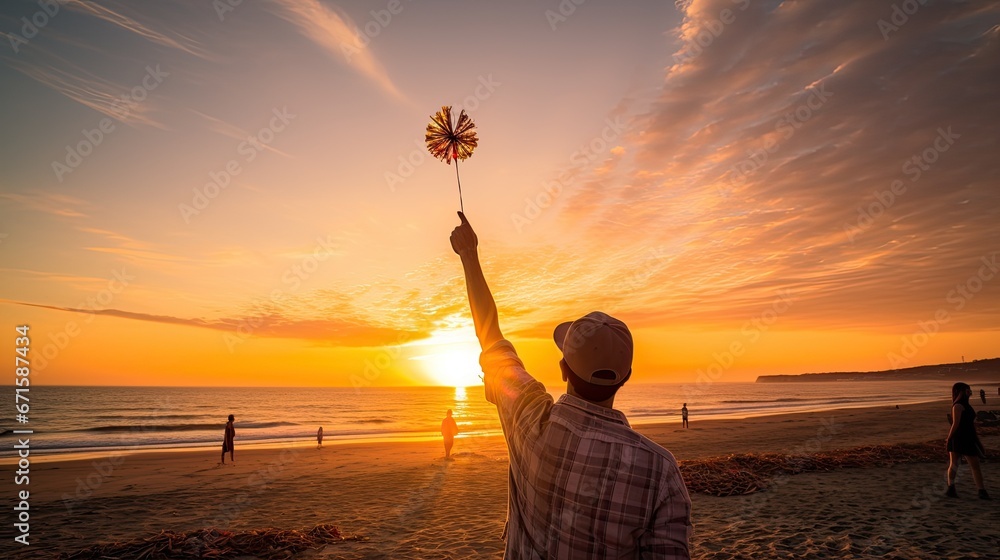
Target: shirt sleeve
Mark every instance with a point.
(522, 402)
(670, 530)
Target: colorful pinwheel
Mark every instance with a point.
(449, 141)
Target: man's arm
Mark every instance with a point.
(521, 401)
(484, 309)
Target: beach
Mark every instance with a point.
(404, 501)
(314, 235)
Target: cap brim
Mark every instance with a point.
(559, 335)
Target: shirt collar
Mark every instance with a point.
(594, 409)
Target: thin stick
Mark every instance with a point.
(460, 203)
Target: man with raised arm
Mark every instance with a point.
(582, 484)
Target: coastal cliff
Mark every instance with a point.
(976, 370)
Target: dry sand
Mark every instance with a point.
(409, 503)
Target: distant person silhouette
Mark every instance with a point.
(963, 442)
(581, 482)
(982, 395)
(684, 416)
(227, 440)
(319, 438)
(449, 429)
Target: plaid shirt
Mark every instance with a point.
(582, 483)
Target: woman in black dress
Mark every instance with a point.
(963, 441)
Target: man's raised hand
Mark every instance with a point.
(463, 238)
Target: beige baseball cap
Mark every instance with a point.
(597, 347)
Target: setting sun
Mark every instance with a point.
(450, 358)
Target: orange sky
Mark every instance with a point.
(780, 188)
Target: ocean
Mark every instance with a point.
(88, 419)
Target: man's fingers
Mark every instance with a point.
(461, 216)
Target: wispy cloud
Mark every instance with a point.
(229, 130)
(132, 249)
(76, 83)
(116, 14)
(78, 282)
(335, 33)
(768, 143)
(50, 203)
(40, 59)
(341, 332)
